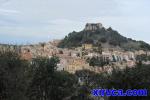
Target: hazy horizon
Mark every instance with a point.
(32, 21)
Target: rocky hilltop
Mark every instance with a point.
(94, 33)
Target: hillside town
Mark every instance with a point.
(73, 59)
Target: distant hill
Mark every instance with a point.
(109, 38)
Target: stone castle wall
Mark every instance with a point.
(93, 26)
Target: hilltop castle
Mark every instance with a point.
(93, 26)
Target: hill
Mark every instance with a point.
(109, 38)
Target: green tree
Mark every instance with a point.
(12, 75)
(42, 78)
(49, 84)
(130, 78)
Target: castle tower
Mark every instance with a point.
(93, 26)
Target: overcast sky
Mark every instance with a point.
(28, 21)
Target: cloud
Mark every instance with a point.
(8, 12)
(4, 2)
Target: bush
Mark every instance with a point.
(103, 40)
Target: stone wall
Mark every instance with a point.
(93, 26)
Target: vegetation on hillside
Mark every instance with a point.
(130, 78)
(143, 57)
(97, 61)
(104, 36)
